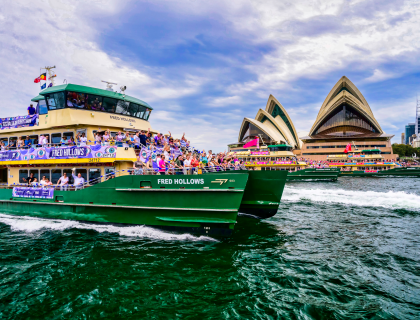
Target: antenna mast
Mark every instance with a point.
(51, 75)
(109, 85)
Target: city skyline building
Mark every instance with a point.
(410, 129)
(403, 138)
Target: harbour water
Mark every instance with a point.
(336, 250)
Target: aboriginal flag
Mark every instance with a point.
(43, 76)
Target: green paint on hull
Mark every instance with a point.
(263, 192)
(206, 204)
(314, 174)
(402, 172)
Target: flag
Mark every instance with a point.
(43, 86)
(348, 148)
(255, 142)
(43, 76)
(37, 80)
(50, 85)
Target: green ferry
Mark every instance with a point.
(281, 158)
(369, 163)
(206, 204)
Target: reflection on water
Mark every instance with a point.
(334, 250)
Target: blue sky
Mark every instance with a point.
(203, 67)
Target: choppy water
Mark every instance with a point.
(344, 250)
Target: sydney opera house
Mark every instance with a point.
(345, 117)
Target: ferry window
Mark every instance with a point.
(108, 171)
(133, 109)
(122, 107)
(142, 112)
(23, 174)
(5, 141)
(42, 107)
(12, 142)
(55, 175)
(35, 172)
(83, 172)
(94, 175)
(44, 173)
(55, 137)
(110, 105)
(55, 100)
(75, 100)
(69, 172)
(68, 135)
(94, 102)
(148, 114)
(47, 136)
(34, 139)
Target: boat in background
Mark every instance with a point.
(369, 163)
(281, 158)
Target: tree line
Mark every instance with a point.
(405, 150)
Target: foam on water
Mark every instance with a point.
(31, 224)
(390, 199)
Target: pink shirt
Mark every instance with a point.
(161, 165)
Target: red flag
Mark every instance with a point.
(37, 80)
(255, 142)
(348, 148)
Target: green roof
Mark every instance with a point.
(371, 150)
(96, 91)
(279, 145)
(37, 98)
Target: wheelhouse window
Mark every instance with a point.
(122, 107)
(110, 105)
(75, 100)
(55, 100)
(42, 107)
(94, 102)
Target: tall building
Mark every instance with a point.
(410, 129)
(402, 138)
(345, 117)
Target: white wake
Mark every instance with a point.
(31, 224)
(390, 199)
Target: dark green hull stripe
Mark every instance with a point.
(115, 206)
(183, 190)
(196, 219)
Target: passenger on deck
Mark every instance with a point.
(71, 142)
(81, 139)
(20, 143)
(106, 137)
(63, 140)
(64, 182)
(29, 179)
(28, 142)
(48, 182)
(31, 110)
(138, 166)
(43, 181)
(119, 138)
(149, 166)
(34, 183)
(12, 144)
(79, 181)
(162, 165)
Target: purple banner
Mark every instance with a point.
(95, 151)
(36, 193)
(17, 122)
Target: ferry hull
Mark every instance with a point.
(396, 172)
(209, 208)
(330, 174)
(263, 192)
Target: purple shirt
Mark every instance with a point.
(31, 110)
